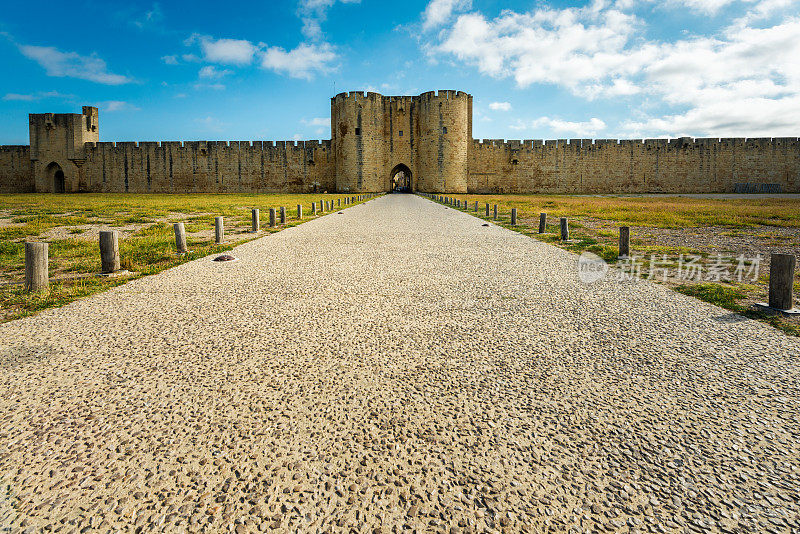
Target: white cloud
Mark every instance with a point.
(211, 124)
(741, 81)
(301, 62)
(297, 137)
(72, 65)
(117, 105)
(17, 96)
(318, 121)
(706, 7)
(225, 51)
(214, 86)
(313, 13)
(211, 72)
(588, 128)
(170, 60)
(500, 106)
(438, 12)
(36, 96)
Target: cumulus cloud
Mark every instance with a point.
(225, 51)
(438, 12)
(211, 72)
(588, 128)
(170, 60)
(743, 80)
(500, 106)
(301, 62)
(72, 65)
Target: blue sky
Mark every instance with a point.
(266, 70)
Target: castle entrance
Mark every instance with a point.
(401, 179)
(57, 174)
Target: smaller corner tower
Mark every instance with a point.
(58, 148)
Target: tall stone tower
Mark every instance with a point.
(426, 136)
(58, 149)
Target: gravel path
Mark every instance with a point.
(399, 366)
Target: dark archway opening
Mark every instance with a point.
(401, 179)
(57, 177)
(58, 181)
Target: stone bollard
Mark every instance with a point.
(36, 276)
(256, 218)
(564, 229)
(313, 208)
(283, 214)
(272, 217)
(542, 222)
(513, 215)
(180, 237)
(495, 212)
(219, 230)
(338, 202)
(299, 211)
(321, 206)
(109, 251)
(476, 206)
(487, 209)
(624, 241)
(781, 280)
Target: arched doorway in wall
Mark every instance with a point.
(56, 174)
(401, 179)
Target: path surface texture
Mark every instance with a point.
(397, 367)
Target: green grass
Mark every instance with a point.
(662, 212)
(728, 297)
(146, 251)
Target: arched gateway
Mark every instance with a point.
(401, 179)
(56, 174)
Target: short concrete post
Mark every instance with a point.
(109, 251)
(624, 241)
(338, 202)
(542, 222)
(180, 237)
(476, 206)
(272, 217)
(299, 211)
(487, 209)
(781, 280)
(495, 212)
(313, 208)
(513, 215)
(219, 230)
(36, 260)
(321, 206)
(256, 217)
(283, 214)
(564, 229)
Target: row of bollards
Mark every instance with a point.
(37, 254)
(781, 271)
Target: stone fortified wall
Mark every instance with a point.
(373, 136)
(16, 171)
(208, 167)
(684, 165)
